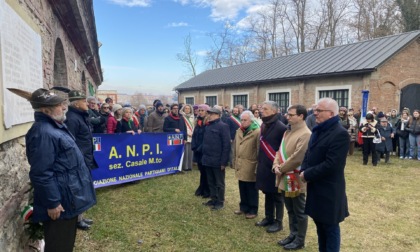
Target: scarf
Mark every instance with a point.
(130, 122)
(267, 122)
(317, 130)
(175, 117)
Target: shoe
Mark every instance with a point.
(238, 212)
(410, 158)
(286, 241)
(275, 227)
(187, 170)
(88, 221)
(263, 223)
(209, 203)
(295, 245)
(375, 164)
(217, 207)
(82, 225)
(205, 196)
(401, 157)
(250, 216)
(364, 163)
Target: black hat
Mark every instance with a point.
(76, 95)
(39, 98)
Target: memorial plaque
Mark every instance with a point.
(21, 56)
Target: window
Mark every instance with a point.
(340, 95)
(189, 100)
(240, 99)
(211, 100)
(282, 100)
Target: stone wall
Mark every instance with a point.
(14, 186)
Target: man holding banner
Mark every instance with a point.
(287, 167)
(272, 131)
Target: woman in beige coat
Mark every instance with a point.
(244, 161)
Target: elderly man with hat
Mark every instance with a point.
(387, 134)
(216, 148)
(197, 147)
(78, 124)
(156, 119)
(61, 181)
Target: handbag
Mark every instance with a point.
(377, 138)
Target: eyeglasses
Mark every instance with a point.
(290, 115)
(321, 110)
(105, 107)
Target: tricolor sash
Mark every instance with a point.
(188, 123)
(291, 183)
(235, 120)
(268, 150)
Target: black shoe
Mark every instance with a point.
(205, 196)
(88, 221)
(286, 241)
(263, 223)
(217, 207)
(82, 225)
(275, 227)
(209, 203)
(295, 245)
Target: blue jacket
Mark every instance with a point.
(78, 124)
(233, 127)
(58, 173)
(216, 144)
(386, 133)
(323, 167)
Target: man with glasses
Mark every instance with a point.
(323, 170)
(95, 118)
(174, 122)
(287, 168)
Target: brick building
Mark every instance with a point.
(388, 67)
(44, 43)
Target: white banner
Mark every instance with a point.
(21, 56)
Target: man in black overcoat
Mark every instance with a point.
(272, 131)
(323, 170)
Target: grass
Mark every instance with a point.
(162, 214)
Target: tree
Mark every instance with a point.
(410, 11)
(188, 57)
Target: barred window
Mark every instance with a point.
(211, 100)
(282, 100)
(341, 96)
(189, 100)
(240, 100)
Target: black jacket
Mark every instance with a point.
(272, 132)
(197, 140)
(216, 144)
(233, 127)
(323, 167)
(78, 124)
(123, 126)
(171, 123)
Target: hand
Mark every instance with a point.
(392, 135)
(302, 177)
(55, 212)
(277, 171)
(138, 131)
(383, 138)
(177, 130)
(130, 132)
(222, 168)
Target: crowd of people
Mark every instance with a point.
(296, 158)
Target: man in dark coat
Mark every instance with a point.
(174, 122)
(216, 147)
(78, 124)
(57, 168)
(272, 131)
(323, 170)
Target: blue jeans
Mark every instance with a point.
(414, 142)
(404, 146)
(328, 237)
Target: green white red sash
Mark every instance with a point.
(188, 123)
(291, 183)
(236, 120)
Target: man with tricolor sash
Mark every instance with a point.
(272, 131)
(287, 167)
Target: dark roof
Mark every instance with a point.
(363, 56)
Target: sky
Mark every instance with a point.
(141, 38)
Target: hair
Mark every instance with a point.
(300, 110)
(249, 113)
(330, 104)
(73, 103)
(274, 106)
(173, 105)
(369, 117)
(91, 98)
(108, 99)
